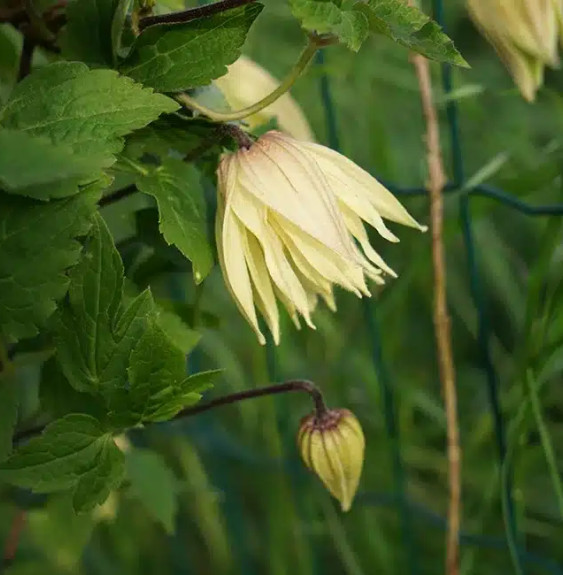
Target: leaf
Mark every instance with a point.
(88, 110)
(94, 486)
(37, 245)
(329, 17)
(410, 27)
(178, 57)
(73, 452)
(87, 34)
(28, 163)
(94, 333)
(8, 412)
(159, 387)
(177, 188)
(154, 485)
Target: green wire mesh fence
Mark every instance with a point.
(520, 556)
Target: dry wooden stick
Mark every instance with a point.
(436, 182)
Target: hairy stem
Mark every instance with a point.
(285, 387)
(441, 318)
(300, 66)
(117, 195)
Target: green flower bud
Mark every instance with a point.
(332, 446)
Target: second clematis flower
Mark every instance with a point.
(290, 217)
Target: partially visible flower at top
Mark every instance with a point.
(246, 83)
(288, 214)
(525, 35)
(332, 446)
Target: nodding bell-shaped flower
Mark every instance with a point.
(246, 83)
(525, 35)
(288, 215)
(332, 446)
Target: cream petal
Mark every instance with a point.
(230, 248)
(326, 262)
(262, 284)
(361, 185)
(253, 215)
(356, 228)
(301, 200)
(302, 167)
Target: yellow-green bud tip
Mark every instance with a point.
(332, 446)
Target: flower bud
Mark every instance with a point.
(332, 446)
(524, 33)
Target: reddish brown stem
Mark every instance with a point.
(13, 540)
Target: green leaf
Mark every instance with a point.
(88, 110)
(73, 452)
(411, 28)
(37, 245)
(158, 386)
(8, 412)
(87, 34)
(94, 333)
(178, 57)
(329, 17)
(177, 188)
(154, 485)
(94, 486)
(29, 163)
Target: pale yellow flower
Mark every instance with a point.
(332, 446)
(288, 215)
(525, 35)
(246, 83)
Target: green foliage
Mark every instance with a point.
(73, 452)
(177, 188)
(37, 244)
(352, 22)
(55, 167)
(349, 25)
(411, 28)
(178, 57)
(95, 333)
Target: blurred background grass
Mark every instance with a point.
(241, 500)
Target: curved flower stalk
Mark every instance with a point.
(246, 82)
(525, 35)
(332, 446)
(289, 213)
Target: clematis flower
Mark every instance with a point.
(525, 35)
(332, 446)
(246, 83)
(288, 215)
